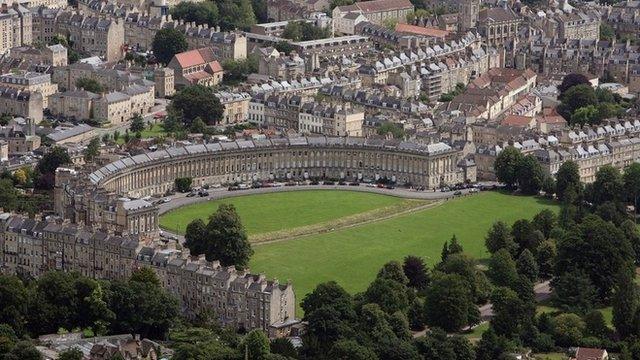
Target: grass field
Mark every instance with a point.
(353, 256)
(277, 211)
(148, 132)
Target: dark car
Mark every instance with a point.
(203, 193)
(457, 192)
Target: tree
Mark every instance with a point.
(508, 312)
(390, 295)
(256, 345)
(327, 294)
(525, 235)
(396, 130)
(529, 175)
(586, 115)
(492, 346)
(71, 354)
(198, 126)
(227, 238)
(416, 272)
(195, 236)
(393, 271)
(449, 304)
(198, 101)
(47, 166)
(236, 71)
(351, 350)
(284, 47)
(454, 246)
(92, 150)
(90, 85)
(183, 184)
(506, 165)
(568, 176)
(549, 186)
(527, 265)
(415, 315)
(595, 324)
(576, 97)
(8, 195)
(499, 237)
(283, 346)
(13, 297)
(545, 221)
(168, 42)
(137, 124)
(625, 304)
(568, 329)
(304, 31)
(145, 275)
(607, 32)
(24, 350)
(572, 80)
(502, 269)
(200, 13)
(631, 179)
(21, 176)
(574, 292)
(545, 257)
(630, 230)
(608, 186)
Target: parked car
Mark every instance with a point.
(457, 192)
(166, 200)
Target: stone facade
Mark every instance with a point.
(21, 103)
(236, 107)
(30, 81)
(15, 26)
(31, 247)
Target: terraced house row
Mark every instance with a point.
(31, 247)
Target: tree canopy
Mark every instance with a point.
(168, 42)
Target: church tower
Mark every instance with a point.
(468, 15)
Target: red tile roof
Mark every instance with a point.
(195, 57)
(421, 30)
(590, 354)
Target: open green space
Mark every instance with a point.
(152, 131)
(283, 210)
(354, 255)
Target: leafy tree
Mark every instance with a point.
(236, 71)
(416, 272)
(195, 236)
(527, 265)
(607, 32)
(400, 325)
(393, 271)
(449, 304)
(198, 126)
(283, 346)
(466, 267)
(568, 176)
(525, 235)
(168, 42)
(586, 115)
(137, 124)
(145, 275)
(502, 269)
(630, 230)
(47, 166)
(329, 293)
(454, 246)
(71, 354)
(595, 324)
(200, 13)
(183, 184)
(545, 257)
(508, 312)
(631, 179)
(335, 3)
(351, 350)
(492, 346)
(572, 80)
(499, 237)
(284, 47)
(545, 221)
(574, 292)
(568, 329)
(304, 31)
(415, 315)
(625, 304)
(530, 175)
(92, 150)
(549, 186)
(435, 345)
(394, 129)
(13, 297)
(256, 345)
(390, 295)
(608, 186)
(90, 85)
(198, 101)
(23, 350)
(8, 195)
(576, 97)
(506, 165)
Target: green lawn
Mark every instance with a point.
(278, 211)
(353, 256)
(148, 132)
(476, 333)
(550, 356)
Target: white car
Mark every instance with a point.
(166, 200)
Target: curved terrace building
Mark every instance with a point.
(282, 158)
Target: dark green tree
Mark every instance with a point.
(416, 272)
(506, 165)
(23, 350)
(390, 295)
(595, 324)
(572, 80)
(351, 350)
(90, 85)
(574, 292)
(71, 354)
(508, 312)
(183, 184)
(454, 246)
(137, 124)
(200, 13)
(499, 237)
(393, 271)
(530, 175)
(47, 166)
(576, 97)
(13, 297)
(449, 304)
(527, 265)
(502, 269)
(568, 175)
(283, 346)
(197, 101)
(256, 345)
(145, 275)
(92, 150)
(195, 236)
(168, 42)
(608, 186)
(631, 179)
(227, 238)
(8, 195)
(625, 304)
(568, 329)
(545, 221)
